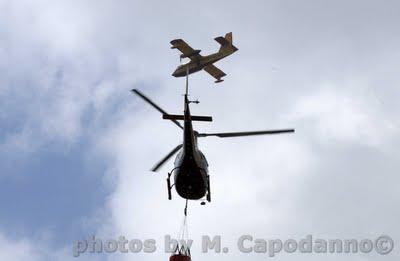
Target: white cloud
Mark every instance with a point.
(340, 115)
(79, 56)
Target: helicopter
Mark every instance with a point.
(191, 177)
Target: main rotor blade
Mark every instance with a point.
(166, 158)
(246, 133)
(158, 108)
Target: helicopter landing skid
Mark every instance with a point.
(209, 189)
(169, 186)
(208, 196)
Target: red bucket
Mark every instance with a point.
(179, 257)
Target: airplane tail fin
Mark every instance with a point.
(228, 37)
(226, 43)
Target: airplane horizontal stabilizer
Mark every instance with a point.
(226, 43)
(222, 41)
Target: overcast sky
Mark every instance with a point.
(76, 146)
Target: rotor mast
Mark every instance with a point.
(187, 80)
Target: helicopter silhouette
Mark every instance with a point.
(191, 178)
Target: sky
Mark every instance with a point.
(76, 145)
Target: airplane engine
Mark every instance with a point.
(189, 55)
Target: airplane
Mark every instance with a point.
(191, 178)
(199, 62)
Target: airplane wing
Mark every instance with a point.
(215, 72)
(186, 50)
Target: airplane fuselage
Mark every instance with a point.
(196, 65)
(190, 166)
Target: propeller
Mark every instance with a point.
(158, 108)
(245, 133)
(166, 158)
(221, 134)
